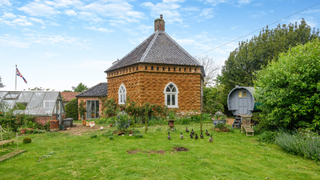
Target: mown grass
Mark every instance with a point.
(230, 156)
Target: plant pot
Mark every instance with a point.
(22, 131)
(217, 129)
(217, 121)
(171, 123)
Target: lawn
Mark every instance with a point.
(230, 156)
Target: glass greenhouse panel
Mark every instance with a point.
(8, 104)
(12, 95)
(2, 93)
(35, 103)
(48, 103)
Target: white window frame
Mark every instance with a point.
(171, 93)
(123, 94)
(50, 102)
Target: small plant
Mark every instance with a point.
(267, 137)
(171, 114)
(136, 133)
(110, 137)
(94, 136)
(47, 126)
(217, 116)
(27, 140)
(220, 125)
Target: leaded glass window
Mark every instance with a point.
(171, 95)
(122, 94)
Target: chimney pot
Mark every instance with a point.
(159, 24)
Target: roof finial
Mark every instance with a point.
(161, 16)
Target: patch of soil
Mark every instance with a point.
(225, 129)
(217, 129)
(157, 152)
(134, 151)
(80, 129)
(180, 148)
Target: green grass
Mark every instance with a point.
(230, 156)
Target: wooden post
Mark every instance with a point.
(200, 121)
(17, 142)
(1, 139)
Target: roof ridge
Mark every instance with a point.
(149, 47)
(197, 62)
(89, 89)
(130, 52)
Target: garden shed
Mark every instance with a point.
(45, 105)
(241, 100)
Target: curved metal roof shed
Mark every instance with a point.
(241, 100)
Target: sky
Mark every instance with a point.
(57, 44)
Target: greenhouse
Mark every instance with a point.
(36, 103)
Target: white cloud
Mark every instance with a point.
(39, 9)
(8, 15)
(37, 20)
(21, 22)
(5, 2)
(70, 12)
(64, 3)
(49, 55)
(186, 41)
(244, 1)
(168, 9)
(89, 17)
(258, 14)
(207, 13)
(12, 41)
(99, 29)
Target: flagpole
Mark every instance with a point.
(16, 76)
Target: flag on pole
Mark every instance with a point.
(20, 75)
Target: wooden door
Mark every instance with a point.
(243, 103)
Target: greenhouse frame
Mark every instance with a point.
(35, 103)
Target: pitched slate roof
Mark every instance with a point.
(98, 90)
(157, 48)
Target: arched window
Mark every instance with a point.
(122, 94)
(171, 95)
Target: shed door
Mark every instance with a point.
(243, 103)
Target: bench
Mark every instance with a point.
(6, 142)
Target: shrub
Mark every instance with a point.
(136, 133)
(220, 126)
(289, 88)
(27, 140)
(267, 137)
(303, 144)
(81, 109)
(47, 126)
(72, 109)
(110, 107)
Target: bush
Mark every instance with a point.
(27, 140)
(220, 126)
(110, 107)
(267, 137)
(289, 89)
(72, 109)
(303, 144)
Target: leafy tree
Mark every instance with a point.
(67, 91)
(72, 109)
(80, 88)
(81, 109)
(289, 88)
(252, 55)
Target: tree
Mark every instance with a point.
(67, 90)
(72, 109)
(210, 69)
(289, 88)
(252, 55)
(80, 88)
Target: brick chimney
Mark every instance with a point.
(159, 24)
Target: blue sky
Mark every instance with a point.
(60, 43)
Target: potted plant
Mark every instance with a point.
(22, 129)
(171, 118)
(30, 126)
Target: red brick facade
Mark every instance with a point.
(44, 119)
(147, 84)
(85, 104)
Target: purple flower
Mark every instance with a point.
(118, 117)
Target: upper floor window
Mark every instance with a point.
(122, 94)
(171, 95)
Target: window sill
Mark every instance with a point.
(121, 103)
(173, 106)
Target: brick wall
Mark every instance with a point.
(44, 119)
(85, 104)
(147, 84)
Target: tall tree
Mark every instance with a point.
(256, 53)
(210, 68)
(80, 88)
